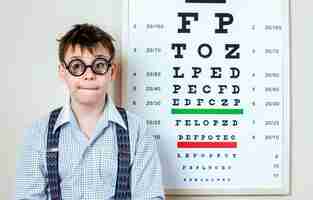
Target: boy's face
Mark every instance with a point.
(89, 88)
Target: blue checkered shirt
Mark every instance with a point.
(88, 168)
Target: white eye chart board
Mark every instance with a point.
(211, 79)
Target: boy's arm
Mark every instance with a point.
(30, 179)
(146, 168)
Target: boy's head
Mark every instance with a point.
(88, 37)
(86, 53)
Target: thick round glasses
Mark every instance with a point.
(99, 66)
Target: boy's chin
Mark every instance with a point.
(90, 100)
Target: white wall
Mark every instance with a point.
(30, 87)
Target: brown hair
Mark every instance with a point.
(87, 36)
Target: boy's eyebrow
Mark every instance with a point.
(101, 56)
(97, 56)
(74, 57)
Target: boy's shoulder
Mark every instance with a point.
(136, 124)
(35, 134)
(40, 124)
(135, 118)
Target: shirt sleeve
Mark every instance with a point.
(30, 177)
(146, 168)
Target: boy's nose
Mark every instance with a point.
(89, 75)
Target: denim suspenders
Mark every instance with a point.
(122, 189)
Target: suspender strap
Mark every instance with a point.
(52, 157)
(122, 190)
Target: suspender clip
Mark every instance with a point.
(52, 150)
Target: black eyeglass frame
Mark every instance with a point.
(108, 63)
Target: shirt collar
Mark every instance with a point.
(110, 114)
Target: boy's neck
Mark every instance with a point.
(85, 112)
(87, 116)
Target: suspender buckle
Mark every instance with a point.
(52, 150)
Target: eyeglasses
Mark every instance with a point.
(78, 67)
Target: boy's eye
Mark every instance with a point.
(100, 66)
(76, 67)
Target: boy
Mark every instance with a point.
(88, 149)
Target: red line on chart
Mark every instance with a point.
(188, 145)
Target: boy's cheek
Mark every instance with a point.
(71, 85)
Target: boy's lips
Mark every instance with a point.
(88, 88)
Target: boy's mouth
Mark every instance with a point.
(88, 88)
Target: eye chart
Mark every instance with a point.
(211, 79)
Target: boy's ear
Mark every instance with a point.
(61, 71)
(114, 71)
